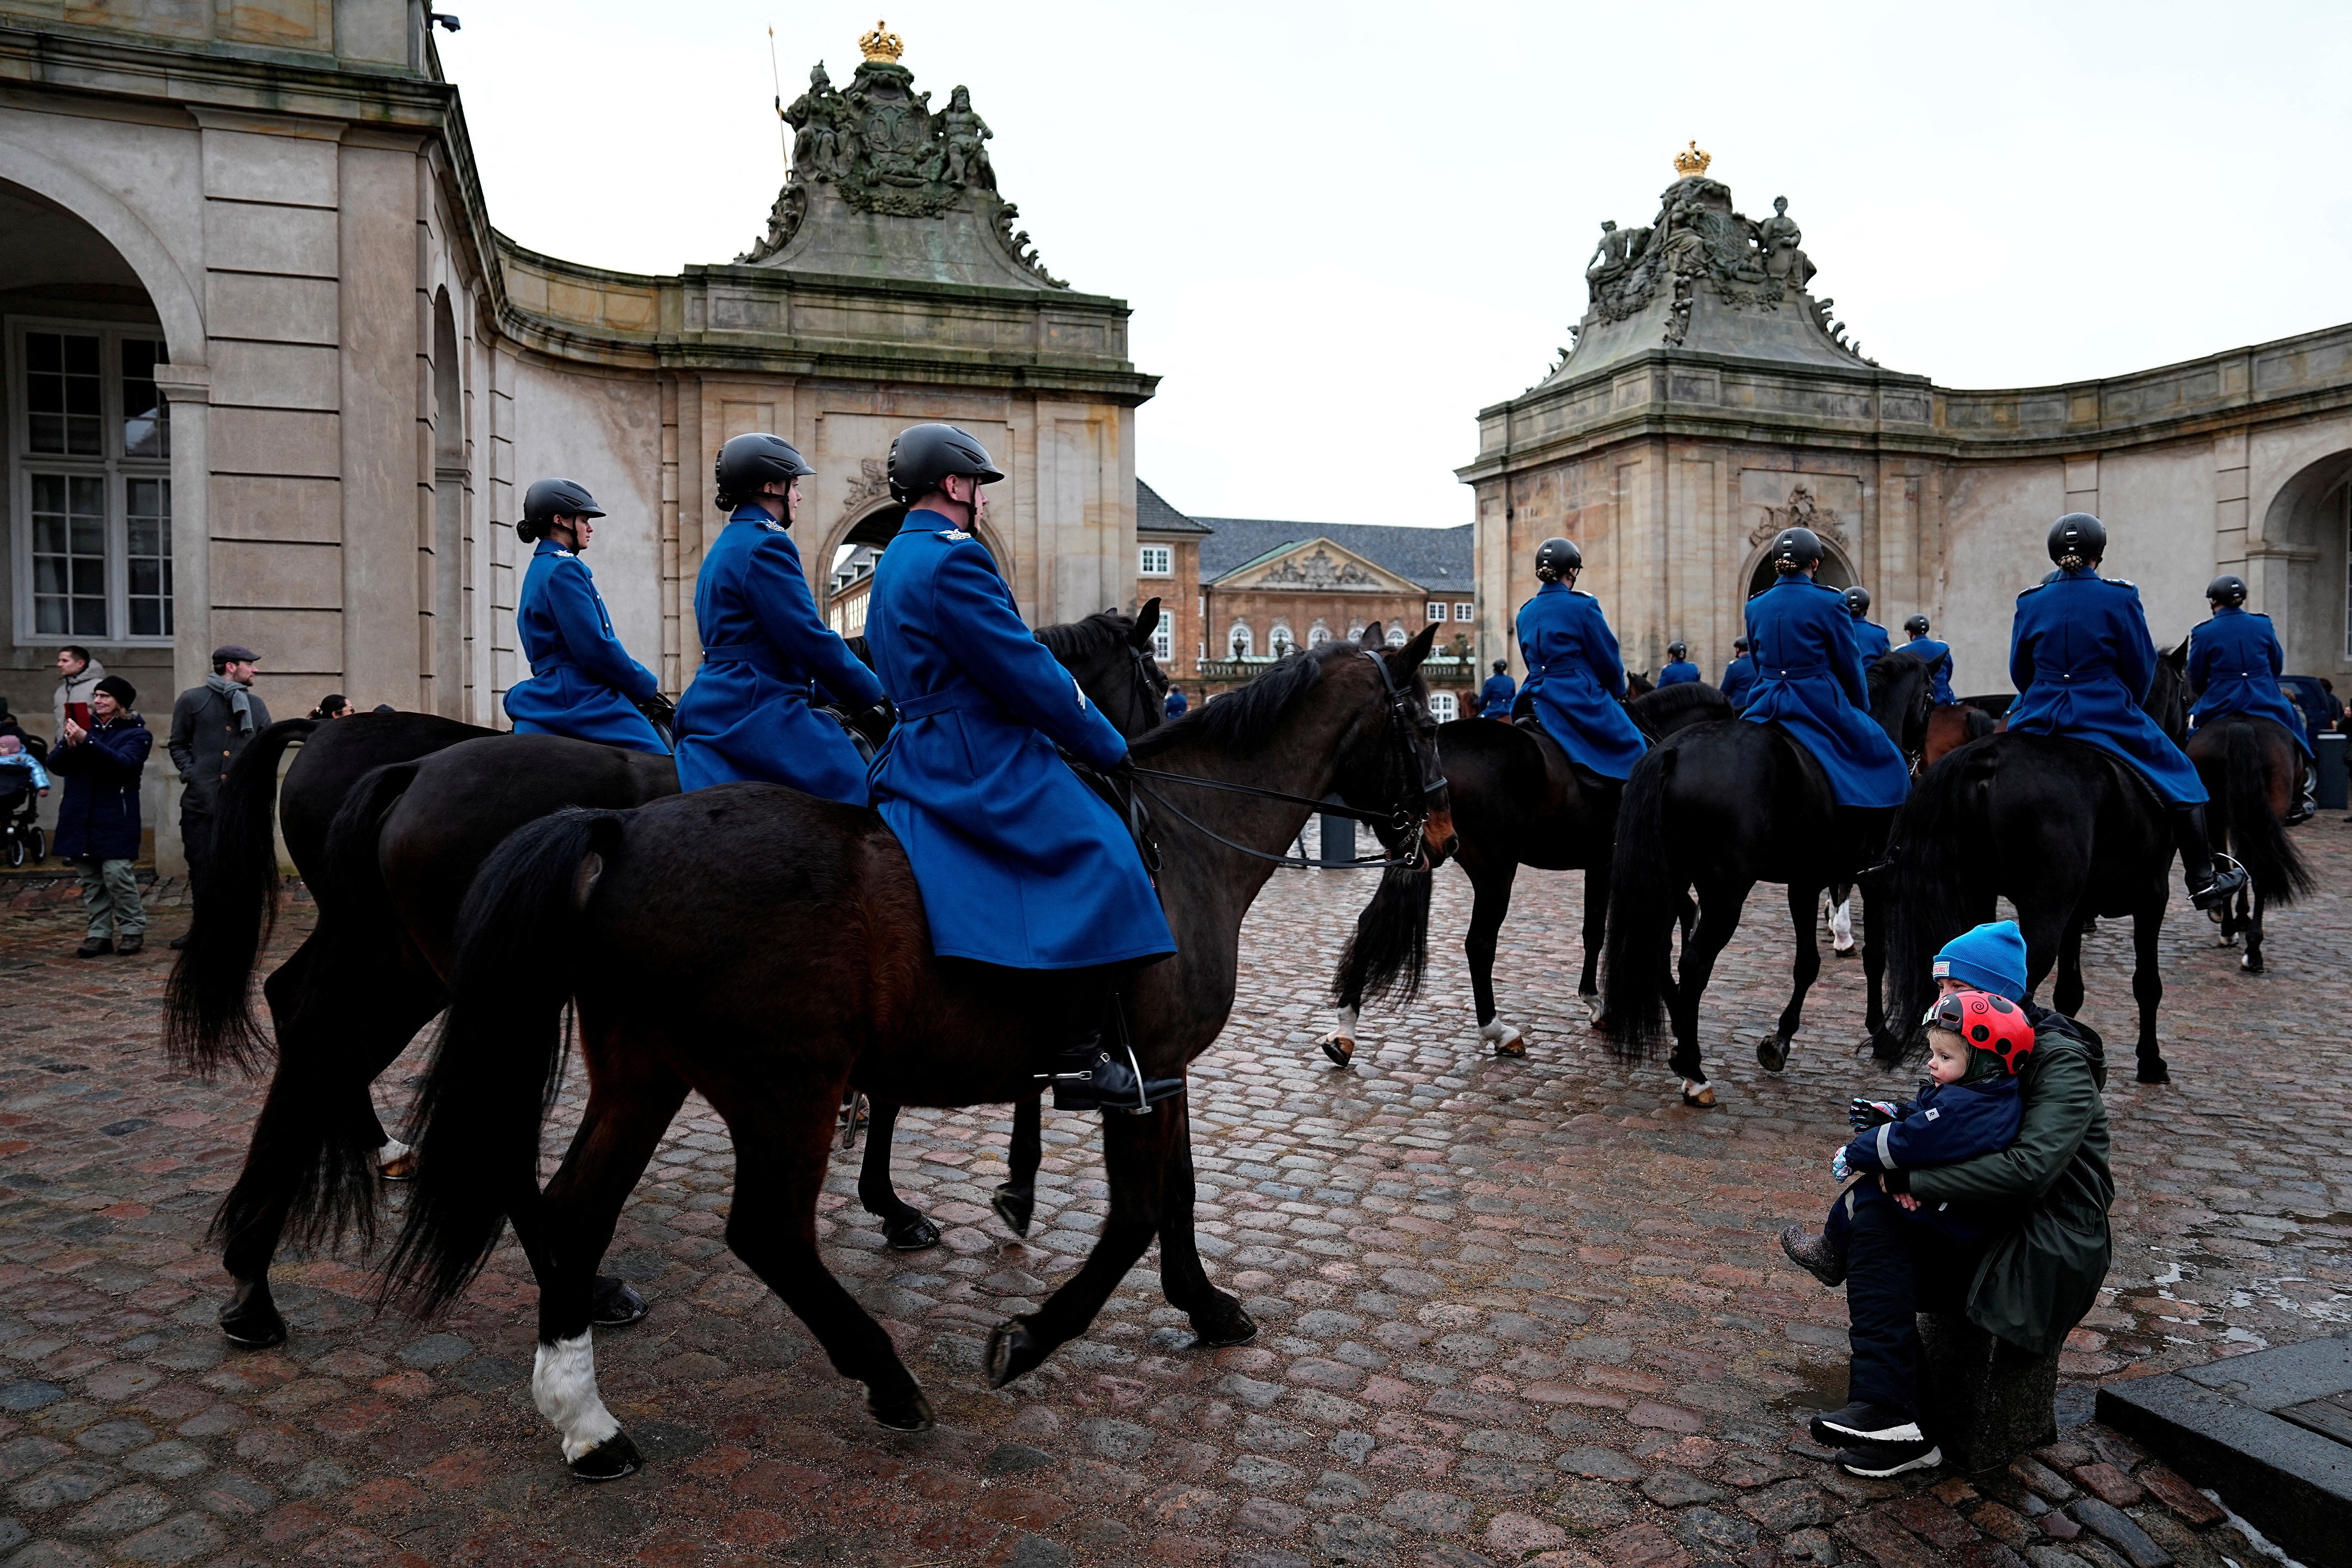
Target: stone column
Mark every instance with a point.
(378, 317)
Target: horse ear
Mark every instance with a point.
(1408, 658)
(1371, 637)
(1147, 621)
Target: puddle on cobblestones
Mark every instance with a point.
(1820, 1385)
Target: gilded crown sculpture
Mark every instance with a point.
(1693, 163)
(882, 44)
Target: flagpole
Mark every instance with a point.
(784, 135)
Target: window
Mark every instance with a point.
(1157, 561)
(1280, 640)
(1318, 634)
(1240, 641)
(1163, 640)
(1443, 707)
(1356, 632)
(91, 445)
(1464, 611)
(1396, 637)
(1436, 609)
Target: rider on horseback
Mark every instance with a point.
(1679, 669)
(1937, 655)
(1868, 635)
(2082, 659)
(1020, 865)
(1739, 675)
(1810, 681)
(1496, 696)
(2235, 660)
(583, 682)
(767, 653)
(1574, 674)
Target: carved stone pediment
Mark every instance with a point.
(1321, 566)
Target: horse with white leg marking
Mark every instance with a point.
(835, 983)
(2252, 767)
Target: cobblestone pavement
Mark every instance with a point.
(1513, 1311)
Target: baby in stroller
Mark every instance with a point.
(22, 782)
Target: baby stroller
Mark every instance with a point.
(20, 809)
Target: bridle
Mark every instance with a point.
(1407, 821)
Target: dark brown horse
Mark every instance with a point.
(831, 981)
(2252, 770)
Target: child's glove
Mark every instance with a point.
(1838, 1167)
(1865, 1114)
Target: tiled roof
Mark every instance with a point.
(1439, 559)
(1153, 515)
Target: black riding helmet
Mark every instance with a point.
(923, 455)
(2228, 588)
(1678, 650)
(1739, 645)
(550, 498)
(1857, 601)
(1556, 558)
(1916, 625)
(1797, 550)
(2080, 535)
(749, 463)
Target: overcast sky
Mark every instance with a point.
(1344, 229)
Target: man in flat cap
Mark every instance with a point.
(210, 725)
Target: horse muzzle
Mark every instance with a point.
(1437, 836)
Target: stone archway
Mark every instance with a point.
(1836, 571)
(2297, 572)
(876, 521)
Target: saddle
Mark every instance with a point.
(1119, 793)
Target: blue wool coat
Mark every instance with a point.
(1496, 696)
(1175, 705)
(1872, 639)
(1809, 681)
(1677, 672)
(1937, 657)
(767, 656)
(2234, 661)
(1019, 863)
(1738, 680)
(2080, 659)
(98, 818)
(583, 682)
(1576, 678)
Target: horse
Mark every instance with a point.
(1517, 800)
(372, 972)
(2061, 830)
(1950, 726)
(832, 981)
(1722, 806)
(2251, 768)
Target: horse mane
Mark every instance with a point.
(1666, 703)
(1888, 669)
(1072, 640)
(1247, 719)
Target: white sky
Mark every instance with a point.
(1343, 230)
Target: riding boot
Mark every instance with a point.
(1868, 829)
(2306, 804)
(1090, 1075)
(2205, 887)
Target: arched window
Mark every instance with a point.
(1240, 641)
(1356, 632)
(1280, 640)
(1318, 634)
(1163, 640)
(1443, 707)
(1396, 637)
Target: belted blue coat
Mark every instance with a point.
(1019, 863)
(1576, 678)
(2082, 659)
(2234, 661)
(1738, 680)
(1937, 657)
(766, 656)
(1175, 705)
(583, 682)
(1496, 696)
(1677, 672)
(98, 818)
(1872, 639)
(1809, 681)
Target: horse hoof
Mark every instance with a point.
(250, 1320)
(612, 1304)
(1011, 1351)
(1340, 1050)
(2251, 963)
(1592, 1013)
(1772, 1054)
(1703, 1097)
(395, 1162)
(910, 1234)
(1013, 1205)
(906, 1412)
(609, 1460)
(2153, 1071)
(1504, 1037)
(1845, 952)
(1235, 1328)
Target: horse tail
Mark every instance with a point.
(500, 1059)
(1385, 959)
(1644, 899)
(1936, 832)
(207, 1004)
(2273, 864)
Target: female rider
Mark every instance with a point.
(1575, 676)
(767, 653)
(583, 682)
(2235, 660)
(1020, 865)
(2082, 660)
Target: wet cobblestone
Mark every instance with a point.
(1513, 1311)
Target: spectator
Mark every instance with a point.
(78, 676)
(98, 824)
(8, 725)
(1175, 702)
(334, 705)
(2335, 704)
(210, 725)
